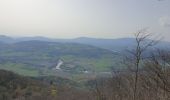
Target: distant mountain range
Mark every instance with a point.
(116, 45)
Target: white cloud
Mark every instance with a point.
(164, 21)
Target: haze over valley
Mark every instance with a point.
(84, 50)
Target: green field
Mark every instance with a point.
(20, 69)
(36, 58)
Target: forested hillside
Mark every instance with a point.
(16, 87)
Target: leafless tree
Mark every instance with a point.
(143, 42)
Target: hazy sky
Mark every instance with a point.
(83, 18)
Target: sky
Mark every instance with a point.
(84, 18)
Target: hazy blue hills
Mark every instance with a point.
(110, 44)
(116, 45)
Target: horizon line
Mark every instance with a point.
(39, 36)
